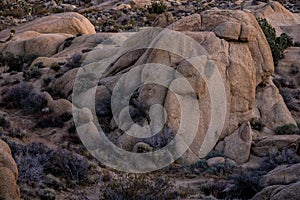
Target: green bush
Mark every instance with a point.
(277, 44)
(288, 129)
(157, 7)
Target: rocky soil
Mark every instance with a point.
(45, 46)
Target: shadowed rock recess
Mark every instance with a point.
(56, 95)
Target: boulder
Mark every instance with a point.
(59, 106)
(272, 108)
(163, 20)
(242, 58)
(282, 175)
(46, 62)
(215, 161)
(267, 144)
(65, 83)
(279, 192)
(8, 174)
(237, 146)
(88, 42)
(69, 23)
(288, 80)
(33, 44)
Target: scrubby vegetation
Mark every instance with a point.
(46, 120)
(157, 7)
(24, 96)
(134, 186)
(16, 62)
(288, 129)
(36, 160)
(277, 44)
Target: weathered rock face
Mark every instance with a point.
(288, 80)
(234, 43)
(8, 174)
(33, 44)
(237, 146)
(279, 18)
(278, 192)
(69, 23)
(284, 175)
(266, 145)
(271, 108)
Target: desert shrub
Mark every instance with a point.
(213, 188)
(222, 170)
(244, 185)
(134, 186)
(196, 168)
(284, 41)
(36, 160)
(157, 7)
(67, 165)
(297, 44)
(35, 102)
(68, 42)
(287, 129)
(277, 45)
(257, 124)
(13, 97)
(74, 61)
(32, 73)
(30, 168)
(4, 122)
(17, 62)
(285, 156)
(16, 133)
(160, 140)
(24, 96)
(52, 120)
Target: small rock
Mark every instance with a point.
(214, 161)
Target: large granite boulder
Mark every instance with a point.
(8, 174)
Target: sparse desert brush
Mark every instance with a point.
(47, 120)
(24, 96)
(283, 157)
(74, 61)
(138, 186)
(32, 73)
(16, 62)
(288, 129)
(36, 160)
(244, 185)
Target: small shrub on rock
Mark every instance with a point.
(157, 7)
(277, 44)
(32, 73)
(288, 129)
(75, 61)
